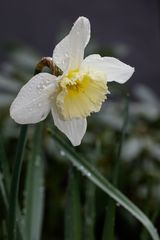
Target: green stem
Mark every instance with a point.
(90, 211)
(15, 184)
(73, 223)
(34, 189)
(93, 174)
(3, 193)
(4, 165)
(109, 225)
(90, 197)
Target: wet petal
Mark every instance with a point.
(114, 69)
(70, 51)
(32, 103)
(74, 129)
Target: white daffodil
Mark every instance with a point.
(74, 95)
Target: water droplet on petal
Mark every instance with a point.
(39, 86)
(39, 104)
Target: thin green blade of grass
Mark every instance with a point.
(3, 193)
(4, 188)
(34, 193)
(73, 222)
(144, 233)
(89, 220)
(94, 175)
(4, 166)
(4, 230)
(90, 200)
(109, 224)
(13, 196)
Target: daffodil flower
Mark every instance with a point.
(79, 91)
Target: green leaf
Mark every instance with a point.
(109, 224)
(144, 234)
(3, 192)
(93, 174)
(13, 196)
(90, 211)
(73, 223)
(34, 194)
(4, 174)
(4, 186)
(4, 167)
(90, 198)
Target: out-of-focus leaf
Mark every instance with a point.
(34, 193)
(3, 192)
(132, 148)
(9, 84)
(4, 166)
(13, 196)
(91, 172)
(147, 110)
(73, 221)
(6, 99)
(110, 115)
(145, 94)
(109, 225)
(24, 57)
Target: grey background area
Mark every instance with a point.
(130, 23)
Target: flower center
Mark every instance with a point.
(81, 93)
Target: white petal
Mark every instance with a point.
(74, 129)
(115, 69)
(70, 51)
(61, 54)
(32, 103)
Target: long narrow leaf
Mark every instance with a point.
(90, 195)
(34, 194)
(90, 211)
(4, 186)
(3, 192)
(12, 216)
(109, 225)
(73, 224)
(93, 174)
(4, 165)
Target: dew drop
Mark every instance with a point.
(118, 204)
(81, 168)
(39, 86)
(37, 162)
(39, 104)
(62, 153)
(88, 174)
(47, 80)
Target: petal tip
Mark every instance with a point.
(83, 19)
(131, 70)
